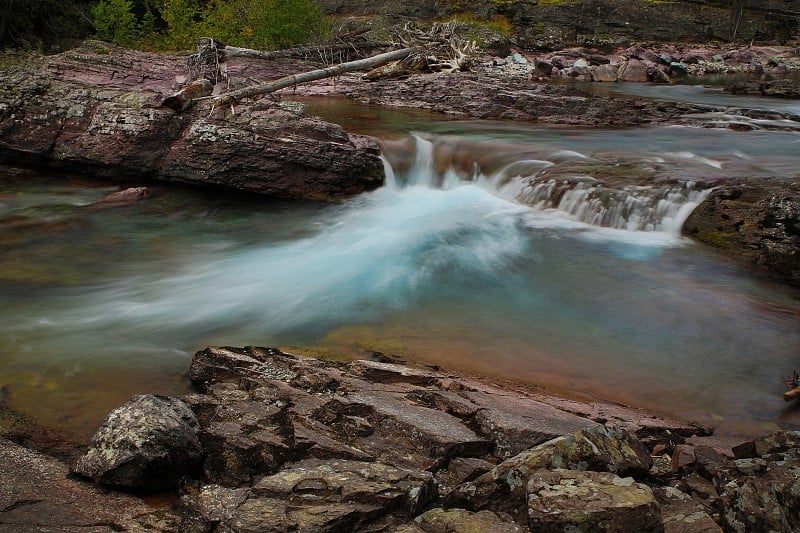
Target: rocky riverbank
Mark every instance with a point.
(97, 110)
(279, 442)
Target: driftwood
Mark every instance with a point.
(438, 49)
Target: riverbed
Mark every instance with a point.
(459, 261)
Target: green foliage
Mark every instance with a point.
(181, 18)
(178, 24)
(115, 22)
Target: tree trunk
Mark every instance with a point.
(188, 94)
(306, 77)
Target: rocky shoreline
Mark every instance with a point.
(279, 442)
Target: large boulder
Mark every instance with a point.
(150, 442)
(754, 219)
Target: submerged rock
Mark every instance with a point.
(150, 442)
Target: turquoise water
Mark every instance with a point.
(450, 262)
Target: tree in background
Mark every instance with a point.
(115, 22)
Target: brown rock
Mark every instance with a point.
(605, 73)
(53, 121)
(567, 500)
(756, 220)
(517, 423)
(682, 457)
(632, 70)
(766, 500)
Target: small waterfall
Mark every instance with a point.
(648, 207)
(661, 208)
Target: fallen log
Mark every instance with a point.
(306, 77)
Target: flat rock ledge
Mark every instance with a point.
(290, 443)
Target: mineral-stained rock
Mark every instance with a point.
(756, 219)
(767, 500)
(298, 444)
(460, 521)
(568, 500)
(150, 442)
(516, 424)
(598, 448)
(312, 496)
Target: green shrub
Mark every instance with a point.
(115, 22)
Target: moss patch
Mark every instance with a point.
(724, 240)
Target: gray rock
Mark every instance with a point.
(150, 442)
(568, 500)
(314, 481)
(682, 514)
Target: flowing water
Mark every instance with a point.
(551, 256)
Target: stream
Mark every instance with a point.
(547, 255)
